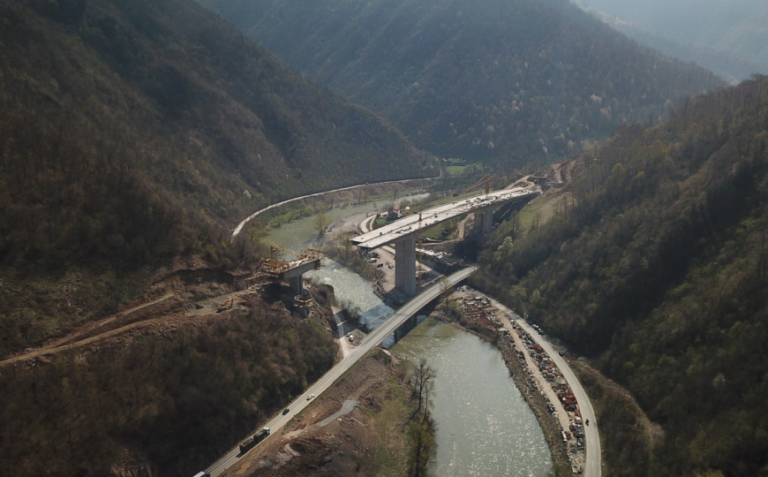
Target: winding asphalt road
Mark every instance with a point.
(236, 231)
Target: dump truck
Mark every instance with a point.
(255, 439)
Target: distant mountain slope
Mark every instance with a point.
(134, 132)
(659, 269)
(736, 27)
(729, 66)
(505, 81)
(733, 65)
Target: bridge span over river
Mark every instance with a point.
(374, 339)
(403, 233)
(481, 205)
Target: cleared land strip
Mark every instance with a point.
(90, 333)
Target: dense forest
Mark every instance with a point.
(206, 113)
(168, 404)
(509, 82)
(657, 268)
(136, 132)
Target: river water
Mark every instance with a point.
(484, 426)
(347, 285)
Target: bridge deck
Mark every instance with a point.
(430, 217)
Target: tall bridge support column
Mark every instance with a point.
(295, 276)
(484, 221)
(297, 284)
(405, 264)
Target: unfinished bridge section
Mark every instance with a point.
(403, 233)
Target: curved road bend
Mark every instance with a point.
(236, 231)
(368, 343)
(592, 438)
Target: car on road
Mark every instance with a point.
(310, 397)
(286, 411)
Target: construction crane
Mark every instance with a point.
(308, 254)
(484, 181)
(273, 246)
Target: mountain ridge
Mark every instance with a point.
(506, 82)
(135, 133)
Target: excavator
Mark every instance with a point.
(226, 305)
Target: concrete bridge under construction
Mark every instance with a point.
(293, 271)
(404, 232)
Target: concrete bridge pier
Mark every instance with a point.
(294, 276)
(297, 284)
(405, 264)
(484, 221)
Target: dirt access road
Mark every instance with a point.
(168, 310)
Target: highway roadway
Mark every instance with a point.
(236, 231)
(592, 465)
(410, 224)
(373, 339)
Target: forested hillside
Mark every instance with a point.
(133, 136)
(657, 268)
(510, 82)
(169, 404)
(135, 132)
